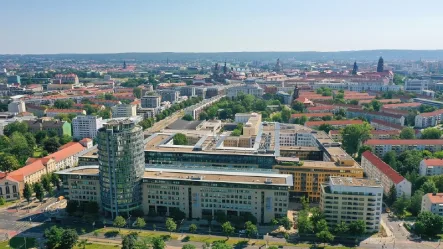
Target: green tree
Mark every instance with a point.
(220, 245)
(40, 136)
(362, 149)
(286, 223)
(39, 191)
(30, 139)
(341, 228)
(321, 225)
(298, 106)
(65, 139)
(129, 241)
(400, 206)
(428, 224)
(304, 224)
(170, 225)
(415, 202)
(63, 104)
(431, 133)
(391, 158)
(188, 117)
(82, 243)
(27, 192)
(228, 229)
(177, 214)
(236, 133)
(285, 114)
(158, 243)
(407, 133)
(357, 227)
(140, 223)
(46, 182)
(55, 180)
(376, 105)
(203, 116)
(193, 228)
(354, 135)
(325, 127)
(71, 206)
(8, 163)
(304, 202)
(251, 229)
(137, 92)
(392, 195)
(69, 239)
(2, 201)
(325, 236)
(51, 144)
(180, 139)
(274, 222)
(119, 222)
(53, 237)
(429, 187)
(20, 127)
(188, 246)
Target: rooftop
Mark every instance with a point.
(433, 162)
(404, 142)
(383, 167)
(81, 170)
(333, 122)
(356, 182)
(435, 198)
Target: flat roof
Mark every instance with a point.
(81, 170)
(350, 181)
(219, 176)
(92, 153)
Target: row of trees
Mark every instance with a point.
(46, 184)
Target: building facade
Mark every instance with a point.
(432, 202)
(170, 95)
(381, 146)
(428, 119)
(150, 101)
(255, 90)
(431, 167)
(86, 126)
(124, 111)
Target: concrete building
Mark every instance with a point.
(187, 91)
(375, 168)
(200, 92)
(9, 187)
(369, 115)
(431, 167)
(381, 146)
(416, 86)
(124, 111)
(151, 101)
(86, 126)
(50, 125)
(55, 112)
(170, 95)
(437, 104)
(350, 199)
(338, 124)
(81, 183)
(432, 202)
(67, 78)
(196, 109)
(254, 89)
(121, 161)
(17, 106)
(287, 98)
(429, 119)
(13, 79)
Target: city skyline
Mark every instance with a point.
(200, 26)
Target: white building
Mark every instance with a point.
(350, 199)
(124, 111)
(86, 126)
(375, 168)
(17, 106)
(245, 89)
(428, 119)
(432, 203)
(358, 86)
(431, 167)
(416, 86)
(150, 101)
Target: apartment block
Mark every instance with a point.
(337, 124)
(432, 202)
(416, 86)
(255, 90)
(54, 112)
(375, 168)
(431, 167)
(50, 125)
(151, 101)
(169, 95)
(385, 126)
(381, 146)
(429, 119)
(369, 115)
(124, 111)
(351, 199)
(375, 134)
(86, 126)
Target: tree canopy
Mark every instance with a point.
(354, 135)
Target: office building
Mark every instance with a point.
(254, 89)
(432, 202)
(124, 111)
(431, 167)
(188, 91)
(375, 168)
(350, 199)
(151, 101)
(86, 126)
(381, 146)
(170, 95)
(14, 79)
(200, 92)
(121, 162)
(416, 86)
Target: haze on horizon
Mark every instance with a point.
(112, 26)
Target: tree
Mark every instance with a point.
(357, 227)
(65, 139)
(376, 105)
(325, 127)
(380, 65)
(140, 222)
(82, 243)
(355, 68)
(46, 182)
(71, 207)
(274, 222)
(251, 229)
(429, 187)
(321, 225)
(188, 117)
(354, 135)
(129, 241)
(304, 202)
(53, 237)
(55, 180)
(431, 133)
(137, 92)
(188, 246)
(304, 224)
(228, 229)
(341, 228)
(428, 224)
(203, 116)
(119, 222)
(285, 114)
(170, 225)
(177, 214)
(286, 223)
(27, 192)
(193, 228)
(39, 191)
(392, 195)
(415, 202)
(20, 127)
(30, 139)
(400, 206)
(220, 245)
(407, 133)
(69, 239)
(8, 163)
(40, 136)
(180, 139)
(158, 243)
(5, 142)
(63, 104)
(236, 133)
(325, 236)
(362, 149)
(298, 106)
(51, 144)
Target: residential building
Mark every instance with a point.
(121, 161)
(385, 126)
(38, 111)
(55, 112)
(124, 111)
(50, 125)
(169, 95)
(431, 167)
(429, 119)
(213, 91)
(200, 92)
(350, 199)
(287, 98)
(416, 86)
(432, 202)
(318, 115)
(381, 146)
(252, 89)
(187, 91)
(151, 101)
(86, 126)
(9, 187)
(375, 134)
(337, 124)
(59, 87)
(403, 106)
(147, 112)
(322, 109)
(437, 104)
(198, 108)
(17, 106)
(67, 78)
(13, 79)
(369, 115)
(375, 168)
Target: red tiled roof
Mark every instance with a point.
(384, 123)
(393, 106)
(375, 113)
(67, 145)
(66, 152)
(29, 169)
(430, 114)
(4, 175)
(86, 140)
(321, 108)
(435, 199)
(334, 122)
(310, 115)
(433, 162)
(383, 167)
(64, 110)
(404, 142)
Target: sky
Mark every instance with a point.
(111, 26)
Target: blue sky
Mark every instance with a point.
(110, 26)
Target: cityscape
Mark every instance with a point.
(225, 143)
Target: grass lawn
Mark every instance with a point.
(37, 152)
(144, 234)
(9, 203)
(98, 246)
(18, 242)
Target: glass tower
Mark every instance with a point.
(121, 163)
